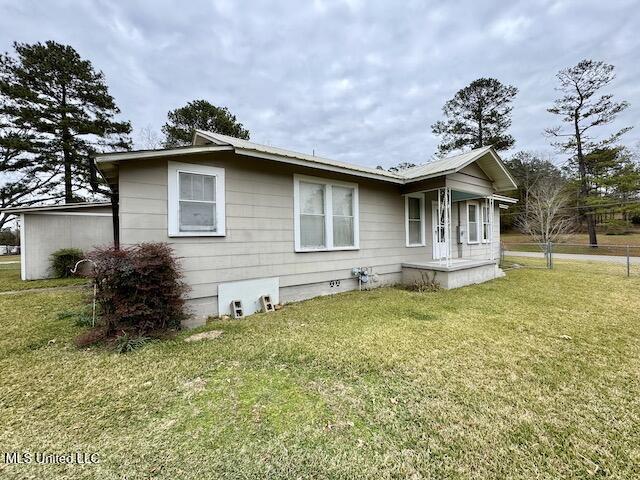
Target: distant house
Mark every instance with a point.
(249, 219)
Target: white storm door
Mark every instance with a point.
(439, 227)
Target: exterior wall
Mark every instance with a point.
(477, 250)
(259, 239)
(44, 233)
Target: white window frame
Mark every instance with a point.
(423, 235)
(478, 222)
(485, 221)
(173, 198)
(328, 213)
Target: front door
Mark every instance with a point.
(439, 227)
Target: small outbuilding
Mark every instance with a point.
(46, 229)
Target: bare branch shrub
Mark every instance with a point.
(547, 217)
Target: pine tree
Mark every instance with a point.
(583, 111)
(613, 179)
(57, 97)
(24, 182)
(477, 116)
(202, 115)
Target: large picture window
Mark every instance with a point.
(325, 214)
(414, 221)
(195, 200)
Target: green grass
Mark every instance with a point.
(9, 258)
(10, 280)
(535, 375)
(577, 243)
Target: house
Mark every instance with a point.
(247, 219)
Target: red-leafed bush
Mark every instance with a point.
(140, 289)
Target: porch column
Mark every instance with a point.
(443, 225)
(492, 215)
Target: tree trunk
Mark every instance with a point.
(66, 150)
(584, 187)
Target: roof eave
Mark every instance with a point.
(143, 154)
(60, 206)
(319, 166)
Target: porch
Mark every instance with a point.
(458, 273)
(461, 227)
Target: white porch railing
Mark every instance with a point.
(442, 251)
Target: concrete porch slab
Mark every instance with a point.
(459, 272)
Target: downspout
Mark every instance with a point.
(115, 216)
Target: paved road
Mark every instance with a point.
(577, 256)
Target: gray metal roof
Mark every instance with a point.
(204, 141)
(491, 162)
(246, 145)
(444, 165)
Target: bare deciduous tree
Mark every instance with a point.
(148, 139)
(547, 217)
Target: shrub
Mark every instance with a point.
(126, 343)
(425, 283)
(63, 261)
(139, 288)
(617, 227)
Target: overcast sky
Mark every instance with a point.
(356, 81)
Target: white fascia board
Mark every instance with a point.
(502, 166)
(428, 176)
(502, 198)
(117, 157)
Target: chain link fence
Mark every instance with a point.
(618, 259)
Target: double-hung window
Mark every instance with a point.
(414, 220)
(325, 214)
(195, 200)
(472, 222)
(486, 224)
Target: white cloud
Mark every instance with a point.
(510, 29)
(356, 81)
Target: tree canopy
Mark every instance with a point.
(200, 114)
(63, 111)
(477, 116)
(581, 111)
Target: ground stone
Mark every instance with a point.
(210, 335)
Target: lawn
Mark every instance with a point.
(536, 375)
(578, 243)
(10, 279)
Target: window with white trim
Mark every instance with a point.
(486, 224)
(325, 214)
(414, 220)
(196, 200)
(472, 222)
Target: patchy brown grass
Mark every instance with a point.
(535, 375)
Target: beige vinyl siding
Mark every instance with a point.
(259, 239)
(470, 179)
(44, 233)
